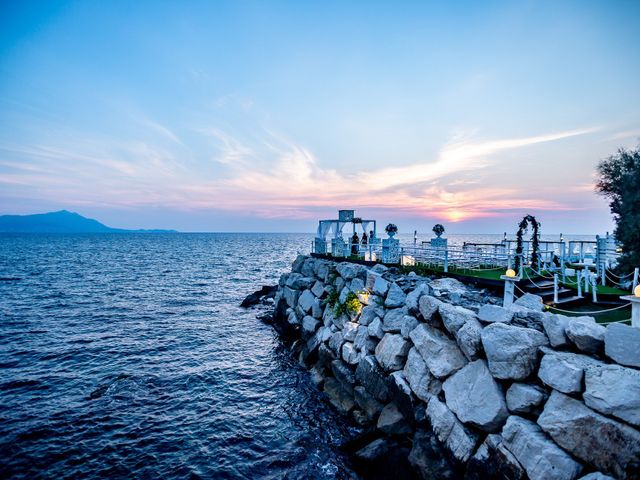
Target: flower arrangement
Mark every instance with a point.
(438, 229)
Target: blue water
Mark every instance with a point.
(127, 356)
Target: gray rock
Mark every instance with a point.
(391, 352)
(344, 293)
(367, 402)
(360, 341)
(622, 344)
(393, 319)
(322, 335)
(335, 343)
(344, 375)
(375, 328)
(339, 283)
(530, 301)
(409, 322)
(374, 450)
(470, 340)
(356, 285)
(395, 297)
(350, 354)
(587, 336)
(316, 309)
(555, 328)
(318, 289)
(349, 271)
(442, 355)
(292, 318)
(512, 352)
(610, 446)
(596, 476)
(392, 422)
(380, 286)
(614, 391)
(454, 317)
(370, 312)
(340, 399)
(349, 331)
(428, 306)
(297, 263)
(540, 457)
(493, 460)
(401, 393)
(308, 268)
(428, 458)
(448, 284)
(325, 355)
(370, 375)
(309, 326)
(562, 372)
(524, 317)
(475, 397)
(321, 270)
(291, 296)
(413, 298)
(299, 282)
(524, 398)
(494, 313)
(460, 441)
(379, 268)
(422, 383)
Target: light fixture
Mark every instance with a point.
(636, 291)
(510, 273)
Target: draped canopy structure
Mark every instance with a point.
(333, 228)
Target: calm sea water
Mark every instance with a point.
(127, 355)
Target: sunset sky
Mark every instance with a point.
(266, 116)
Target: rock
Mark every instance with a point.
(316, 309)
(322, 270)
(493, 460)
(373, 451)
(350, 354)
(408, 324)
(349, 271)
(393, 319)
(413, 298)
(308, 267)
(370, 312)
(454, 317)
(400, 393)
(341, 400)
(475, 397)
(512, 352)
(562, 371)
(428, 458)
(380, 286)
(375, 328)
(494, 314)
(344, 293)
(554, 327)
(610, 446)
(395, 297)
(470, 340)
(460, 441)
(292, 318)
(524, 398)
(614, 391)
(291, 296)
(540, 457)
(587, 336)
(367, 402)
(344, 375)
(524, 317)
(309, 326)
(392, 351)
(370, 375)
(325, 355)
(530, 301)
(322, 335)
(339, 284)
(318, 289)
(596, 476)
(442, 355)
(356, 286)
(296, 266)
(349, 331)
(422, 383)
(360, 340)
(392, 422)
(297, 281)
(335, 343)
(622, 344)
(379, 268)
(428, 306)
(448, 284)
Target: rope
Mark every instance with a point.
(613, 321)
(541, 274)
(589, 313)
(529, 278)
(619, 276)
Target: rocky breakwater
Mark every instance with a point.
(438, 372)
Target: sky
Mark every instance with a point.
(270, 115)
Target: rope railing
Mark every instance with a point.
(610, 272)
(597, 312)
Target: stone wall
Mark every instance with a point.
(517, 393)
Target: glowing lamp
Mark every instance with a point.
(636, 291)
(510, 273)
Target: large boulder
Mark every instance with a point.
(454, 317)
(428, 306)
(614, 391)
(428, 458)
(587, 335)
(540, 457)
(422, 383)
(562, 371)
(393, 319)
(524, 398)
(555, 327)
(530, 301)
(291, 296)
(375, 328)
(395, 297)
(493, 460)
(469, 338)
(459, 440)
(391, 352)
(450, 285)
(622, 344)
(440, 353)
(369, 405)
(296, 266)
(349, 271)
(607, 445)
(309, 326)
(341, 400)
(350, 354)
(370, 312)
(409, 322)
(494, 313)
(380, 286)
(372, 377)
(335, 342)
(512, 351)
(349, 331)
(318, 289)
(392, 422)
(373, 451)
(413, 298)
(344, 375)
(475, 397)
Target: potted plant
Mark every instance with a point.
(438, 229)
(391, 229)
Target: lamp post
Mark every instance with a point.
(510, 278)
(635, 306)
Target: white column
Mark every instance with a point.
(509, 288)
(555, 288)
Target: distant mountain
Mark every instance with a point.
(58, 222)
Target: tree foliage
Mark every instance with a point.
(619, 181)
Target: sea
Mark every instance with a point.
(128, 356)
